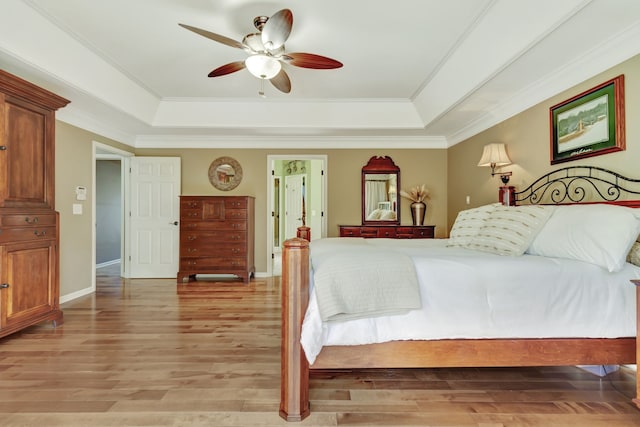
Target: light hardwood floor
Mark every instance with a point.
(153, 353)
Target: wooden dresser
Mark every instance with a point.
(388, 231)
(29, 232)
(217, 235)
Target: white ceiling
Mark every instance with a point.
(417, 73)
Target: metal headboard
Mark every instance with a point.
(575, 184)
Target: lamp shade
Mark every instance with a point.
(494, 155)
(263, 66)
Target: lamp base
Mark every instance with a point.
(507, 195)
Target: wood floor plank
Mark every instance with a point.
(148, 352)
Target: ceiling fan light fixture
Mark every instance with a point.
(253, 42)
(263, 66)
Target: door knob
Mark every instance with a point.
(173, 223)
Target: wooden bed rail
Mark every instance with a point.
(294, 382)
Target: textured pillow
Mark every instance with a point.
(387, 214)
(510, 230)
(634, 254)
(599, 234)
(375, 214)
(468, 223)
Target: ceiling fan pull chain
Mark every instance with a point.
(261, 91)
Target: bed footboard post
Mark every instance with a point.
(637, 399)
(294, 373)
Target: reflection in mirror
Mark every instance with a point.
(380, 196)
(380, 183)
(225, 173)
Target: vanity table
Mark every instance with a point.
(381, 205)
(388, 231)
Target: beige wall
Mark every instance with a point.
(74, 151)
(74, 154)
(527, 139)
(343, 181)
(450, 175)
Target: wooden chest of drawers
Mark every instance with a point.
(216, 236)
(388, 231)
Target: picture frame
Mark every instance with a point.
(589, 124)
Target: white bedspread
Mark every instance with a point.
(344, 290)
(469, 294)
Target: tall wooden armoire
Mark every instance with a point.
(29, 224)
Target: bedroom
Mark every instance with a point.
(450, 173)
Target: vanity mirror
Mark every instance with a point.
(380, 183)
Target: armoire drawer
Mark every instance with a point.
(21, 234)
(27, 220)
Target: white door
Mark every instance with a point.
(293, 203)
(154, 212)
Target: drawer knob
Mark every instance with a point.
(33, 220)
(39, 233)
(4, 286)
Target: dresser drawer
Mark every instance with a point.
(212, 237)
(349, 231)
(235, 214)
(26, 220)
(404, 232)
(21, 234)
(235, 203)
(200, 248)
(427, 232)
(214, 225)
(384, 232)
(203, 263)
(190, 214)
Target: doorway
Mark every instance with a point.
(301, 177)
(108, 209)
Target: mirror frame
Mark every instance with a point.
(380, 165)
(213, 176)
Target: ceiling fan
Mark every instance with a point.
(266, 51)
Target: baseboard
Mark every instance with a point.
(108, 263)
(75, 295)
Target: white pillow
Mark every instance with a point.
(375, 214)
(599, 234)
(509, 230)
(387, 214)
(468, 223)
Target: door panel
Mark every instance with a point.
(293, 200)
(154, 212)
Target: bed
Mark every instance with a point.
(485, 326)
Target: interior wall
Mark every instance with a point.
(527, 137)
(74, 165)
(108, 210)
(344, 182)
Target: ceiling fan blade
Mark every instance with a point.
(281, 82)
(214, 36)
(310, 60)
(227, 69)
(277, 29)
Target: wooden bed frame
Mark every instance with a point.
(567, 185)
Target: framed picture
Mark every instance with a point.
(589, 124)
